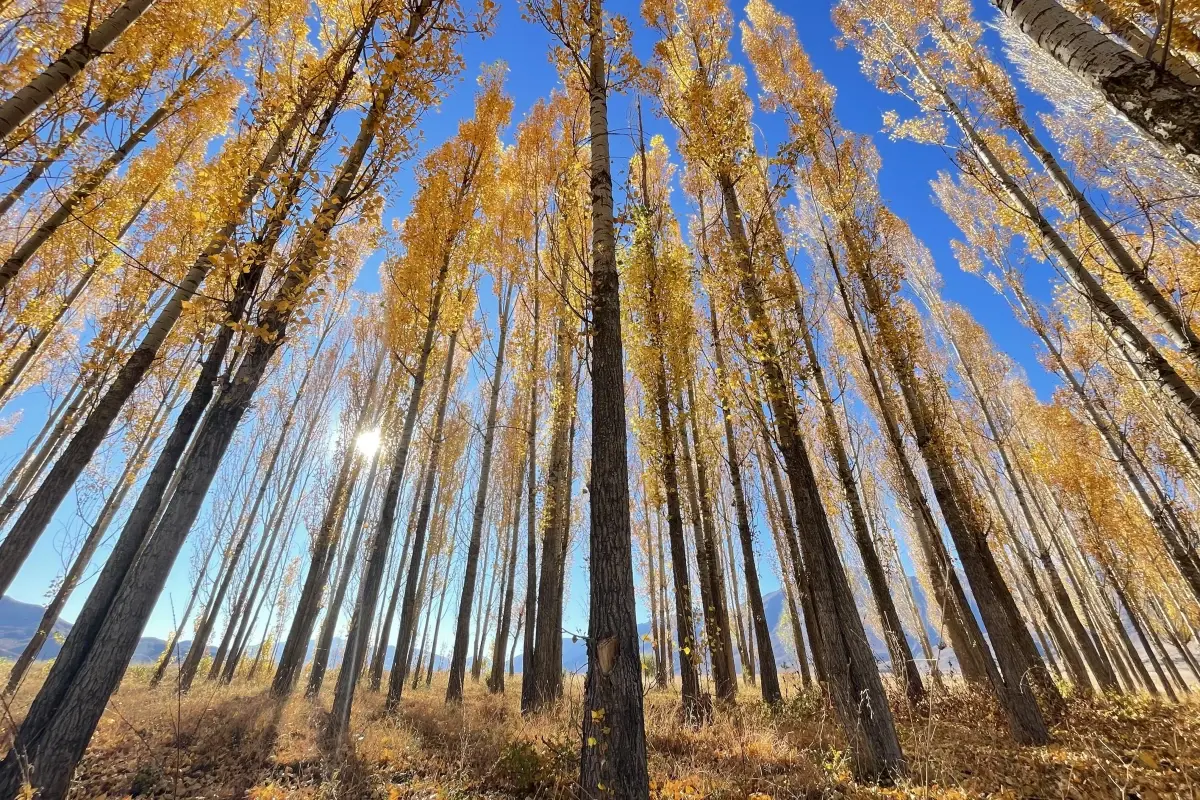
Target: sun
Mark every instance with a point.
(368, 442)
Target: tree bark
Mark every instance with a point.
(1160, 105)
(74, 459)
(458, 662)
(528, 688)
(95, 41)
(495, 682)
(615, 765)
(853, 677)
(771, 692)
(409, 608)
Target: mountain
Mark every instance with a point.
(774, 604)
(19, 622)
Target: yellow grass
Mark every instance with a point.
(234, 742)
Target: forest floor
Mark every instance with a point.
(236, 741)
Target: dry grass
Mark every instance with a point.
(233, 742)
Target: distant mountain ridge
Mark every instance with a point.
(19, 621)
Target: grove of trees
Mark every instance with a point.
(722, 363)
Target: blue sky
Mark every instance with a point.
(907, 171)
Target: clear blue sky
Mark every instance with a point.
(907, 171)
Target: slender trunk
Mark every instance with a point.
(512, 653)
(384, 632)
(771, 693)
(458, 661)
(295, 648)
(547, 656)
(785, 573)
(660, 669)
(1136, 624)
(852, 675)
(437, 625)
(1156, 508)
(528, 689)
(95, 42)
(665, 638)
(90, 182)
(247, 598)
(483, 605)
(418, 670)
(1136, 275)
(67, 469)
(1005, 631)
(901, 655)
(495, 681)
(689, 656)
(182, 621)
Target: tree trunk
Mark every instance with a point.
(528, 689)
(615, 765)
(199, 647)
(689, 656)
(399, 560)
(458, 662)
(966, 637)
(771, 693)
(853, 677)
(409, 608)
(660, 669)
(1136, 624)
(182, 621)
(1156, 508)
(57, 484)
(295, 648)
(1160, 105)
(1139, 42)
(95, 41)
(437, 625)
(786, 571)
(720, 634)
(495, 682)
(547, 656)
(239, 617)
